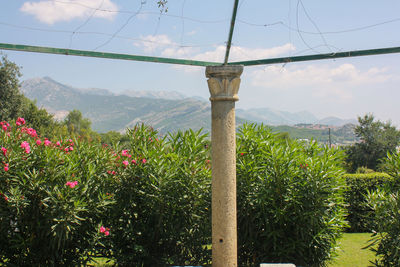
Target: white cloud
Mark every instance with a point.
(151, 43)
(164, 46)
(321, 80)
(238, 53)
(50, 12)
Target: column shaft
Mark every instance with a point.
(224, 84)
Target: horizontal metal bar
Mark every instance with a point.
(73, 52)
(356, 53)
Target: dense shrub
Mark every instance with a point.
(66, 202)
(360, 216)
(52, 198)
(162, 199)
(290, 204)
(386, 204)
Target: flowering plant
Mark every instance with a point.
(53, 196)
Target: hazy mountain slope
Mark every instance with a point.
(276, 117)
(117, 112)
(109, 111)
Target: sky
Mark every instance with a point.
(198, 30)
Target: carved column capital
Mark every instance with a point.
(223, 82)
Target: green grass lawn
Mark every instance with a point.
(351, 252)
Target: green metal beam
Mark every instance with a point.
(356, 53)
(72, 52)
(228, 44)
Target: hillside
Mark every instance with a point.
(109, 111)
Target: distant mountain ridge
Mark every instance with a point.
(112, 111)
(276, 117)
(109, 111)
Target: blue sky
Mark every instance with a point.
(199, 29)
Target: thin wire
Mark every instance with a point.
(158, 23)
(144, 13)
(298, 30)
(315, 25)
(84, 23)
(327, 32)
(241, 3)
(104, 34)
(122, 27)
(183, 28)
(290, 23)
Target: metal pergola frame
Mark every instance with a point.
(226, 75)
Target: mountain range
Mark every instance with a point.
(165, 111)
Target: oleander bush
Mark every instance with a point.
(53, 198)
(290, 200)
(67, 202)
(385, 202)
(162, 199)
(360, 216)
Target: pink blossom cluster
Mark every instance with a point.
(29, 131)
(4, 196)
(4, 150)
(6, 167)
(68, 145)
(47, 142)
(4, 125)
(20, 121)
(71, 184)
(125, 153)
(25, 145)
(104, 230)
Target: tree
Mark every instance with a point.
(376, 140)
(78, 125)
(10, 97)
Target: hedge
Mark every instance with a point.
(64, 202)
(360, 215)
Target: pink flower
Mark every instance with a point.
(6, 167)
(47, 142)
(124, 153)
(4, 150)
(71, 184)
(38, 142)
(134, 161)
(104, 230)
(66, 149)
(4, 125)
(58, 143)
(125, 162)
(29, 131)
(144, 161)
(20, 121)
(71, 148)
(26, 146)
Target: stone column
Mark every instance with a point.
(223, 82)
